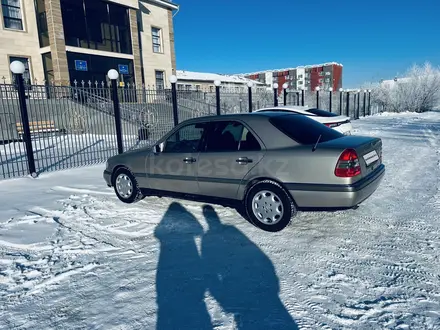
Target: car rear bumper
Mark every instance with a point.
(329, 196)
(107, 177)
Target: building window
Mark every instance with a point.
(157, 47)
(328, 73)
(160, 80)
(12, 14)
(48, 67)
(96, 25)
(198, 88)
(25, 61)
(43, 31)
(187, 88)
(180, 87)
(300, 82)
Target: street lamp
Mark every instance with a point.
(173, 79)
(317, 96)
(17, 67)
(217, 84)
(113, 74)
(250, 84)
(285, 85)
(330, 90)
(275, 94)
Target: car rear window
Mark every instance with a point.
(303, 129)
(322, 113)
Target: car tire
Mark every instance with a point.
(266, 200)
(123, 178)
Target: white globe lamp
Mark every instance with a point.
(173, 79)
(217, 83)
(275, 86)
(17, 67)
(113, 74)
(285, 85)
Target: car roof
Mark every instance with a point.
(238, 116)
(293, 108)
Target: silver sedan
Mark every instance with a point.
(271, 164)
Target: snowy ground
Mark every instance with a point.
(72, 256)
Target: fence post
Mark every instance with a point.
(297, 98)
(250, 83)
(369, 102)
(114, 75)
(330, 99)
(302, 97)
(285, 85)
(317, 97)
(217, 84)
(18, 69)
(275, 94)
(347, 106)
(354, 105)
(173, 81)
(365, 102)
(359, 103)
(341, 91)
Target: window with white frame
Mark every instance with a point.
(12, 18)
(157, 39)
(160, 80)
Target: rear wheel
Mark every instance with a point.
(126, 186)
(269, 206)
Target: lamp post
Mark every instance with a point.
(217, 84)
(18, 69)
(302, 96)
(173, 81)
(285, 85)
(369, 102)
(317, 96)
(341, 91)
(330, 90)
(250, 84)
(275, 94)
(114, 75)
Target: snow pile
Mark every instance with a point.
(73, 256)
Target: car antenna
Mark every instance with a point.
(316, 144)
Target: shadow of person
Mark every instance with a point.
(180, 286)
(242, 278)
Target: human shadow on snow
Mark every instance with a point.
(236, 273)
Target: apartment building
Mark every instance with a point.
(203, 81)
(307, 77)
(80, 40)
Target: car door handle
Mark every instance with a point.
(244, 160)
(189, 160)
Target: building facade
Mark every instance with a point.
(68, 41)
(202, 81)
(306, 77)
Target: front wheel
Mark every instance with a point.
(269, 206)
(126, 186)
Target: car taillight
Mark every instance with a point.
(331, 125)
(348, 164)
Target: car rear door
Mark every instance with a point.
(174, 168)
(230, 151)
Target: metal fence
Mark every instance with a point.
(48, 127)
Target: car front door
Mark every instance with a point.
(174, 167)
(230, 151)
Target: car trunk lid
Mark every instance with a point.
(368, 150)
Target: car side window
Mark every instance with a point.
(249, 142)
(227, 136)
(186, 139)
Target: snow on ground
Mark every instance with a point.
(72, 256)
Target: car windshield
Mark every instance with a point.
(322, 113)
(303, 129)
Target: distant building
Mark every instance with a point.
(307, 77)
(194, 81)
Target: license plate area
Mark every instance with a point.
(371, 157)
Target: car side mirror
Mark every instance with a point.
(158, 148)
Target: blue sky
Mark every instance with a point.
(374, 39)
